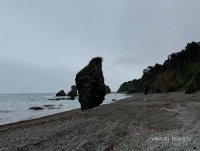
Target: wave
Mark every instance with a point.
(5, 111)
(5, 95)
(48, 96)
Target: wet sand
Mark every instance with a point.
(154, 122)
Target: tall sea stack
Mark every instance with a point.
(90, 84)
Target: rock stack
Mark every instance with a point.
(73, 91)
(90, 84)
(107, 89)
(61, 93)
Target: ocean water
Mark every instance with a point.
(15, 107)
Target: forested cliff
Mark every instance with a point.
(180, 72)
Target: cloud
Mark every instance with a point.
(58, 38)
(129, 60)
(20, 77)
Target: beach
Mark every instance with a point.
(153, 122)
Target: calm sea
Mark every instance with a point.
(15, 107)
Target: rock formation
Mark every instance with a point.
(61, 93)
(107, 89)
(73, 92)
(90, 84)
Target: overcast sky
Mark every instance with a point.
(44, 43)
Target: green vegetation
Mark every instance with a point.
(125, 87)
(189, 72)
(95, 62)
(175, 74)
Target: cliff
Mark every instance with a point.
(175, 74)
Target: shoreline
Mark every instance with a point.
(48, 105)
(140, 122)
(54, 115)
(35, 120)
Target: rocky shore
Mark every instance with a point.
(165, 121)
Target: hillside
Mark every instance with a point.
(180, 72)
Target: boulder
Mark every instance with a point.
(90, 84)
(73, 92)
(61, 93)
(107, 89)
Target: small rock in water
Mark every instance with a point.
(114, 100)
(36, 108)
(61, 93)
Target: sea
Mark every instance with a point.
(15, 107)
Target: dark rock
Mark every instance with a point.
(90, 84)
(107, 89)
(36, 108)
(73, 92)
(114, 100)
(195, 84)
(61, 93)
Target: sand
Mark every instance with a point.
(154, 122)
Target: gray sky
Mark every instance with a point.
(44, 43)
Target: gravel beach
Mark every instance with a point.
(154, 122)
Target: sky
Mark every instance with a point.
(44, 43)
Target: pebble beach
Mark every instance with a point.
(165, 121)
